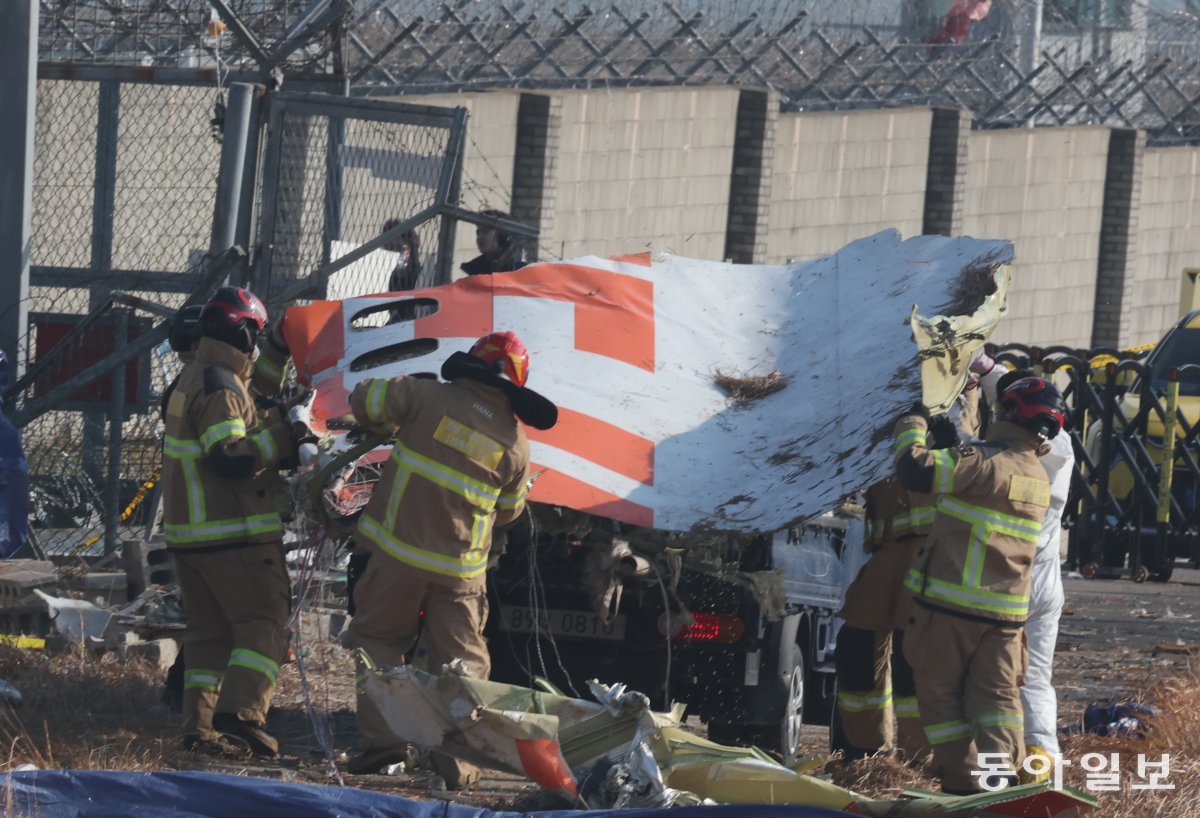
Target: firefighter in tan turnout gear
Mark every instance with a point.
(873, 679)
(971, 580)
(459, 470)
(221, 523)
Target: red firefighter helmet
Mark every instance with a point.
(235, 316)
(1036, 404)
(505, 352)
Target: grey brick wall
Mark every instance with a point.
(946, 176)
(535, 163)
(1168, 241)
(1115, 269)
(750, 177)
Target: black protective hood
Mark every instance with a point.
(529, 407)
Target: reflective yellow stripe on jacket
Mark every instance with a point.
(968, 593)
(198, 528)
(906, 440)
(482, 497)
(918, 518)
(221, 431)
(188, 452)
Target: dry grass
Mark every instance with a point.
(880, 777)
(745, 389)
(83, 712)
(101, 712)
(1176, 731)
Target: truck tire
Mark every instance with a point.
(791, 722)
(1163, 574)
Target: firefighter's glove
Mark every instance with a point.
(300, 416)
(981, 362)
(943, 433)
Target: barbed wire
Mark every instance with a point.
(1121, 63)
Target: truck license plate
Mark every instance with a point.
(577, 624)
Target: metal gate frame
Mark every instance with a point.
(1154, 523)
(337, 110)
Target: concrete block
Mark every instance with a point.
(159, 652)
(146, 564)
(27, 621)
(19, 579)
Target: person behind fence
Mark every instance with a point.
(221, 524)
(971, 580)
(498, 252)
(1038, 697)
(459, 469)
(407, 247)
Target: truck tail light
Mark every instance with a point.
(714, 629)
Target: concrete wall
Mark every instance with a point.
(1168, 239)
(1042, 189)
(636, 169)
(643, 169)
(844, 175)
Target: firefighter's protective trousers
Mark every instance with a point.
(392, 602)
(966, 683)
(873, 679)
(237, 603)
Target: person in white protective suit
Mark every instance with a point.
(1038, 698)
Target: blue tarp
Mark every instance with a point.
(99, 793)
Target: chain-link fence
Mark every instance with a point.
(125, 190)
(1122, 62)
(123, 201)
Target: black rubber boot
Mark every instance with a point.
(260, 741)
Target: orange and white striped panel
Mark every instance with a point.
(629, 350)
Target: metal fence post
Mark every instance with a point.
(235, 138)
(1107, 446)
(335, 185)
(456, 151)
(245, 235)
(18, 99)
(104, 202)
(116, 438)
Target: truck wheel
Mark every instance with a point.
(1163, 574)
(792, 721)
